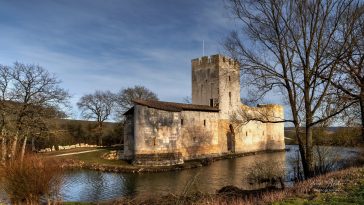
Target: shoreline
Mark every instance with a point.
(188, 164)
(338, 187)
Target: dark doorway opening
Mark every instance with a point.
(231, 139)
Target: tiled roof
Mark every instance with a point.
(174, 107)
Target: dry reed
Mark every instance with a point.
(36, 180)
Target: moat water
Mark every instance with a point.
(86, 185)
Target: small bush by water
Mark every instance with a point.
(269, 173)
(34, 181)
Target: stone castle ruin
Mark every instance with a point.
(166, 133)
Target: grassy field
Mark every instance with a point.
(95, 161)
(96, 157)
(89, 157)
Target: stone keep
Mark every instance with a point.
(167, 133)
(216, 82)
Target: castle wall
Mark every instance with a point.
(229, 87)
(244, 138)
(251, 137)
(205, 81)
(156, 131)
(216, 78)
(165, 138)
(159, 137)
(275, 131)
(170, 137)
(128, 134)
(256, 135)
(199, 134)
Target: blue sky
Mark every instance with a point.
(114, 44)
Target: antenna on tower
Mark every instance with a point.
(203, 47)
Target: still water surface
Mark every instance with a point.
(86, 185)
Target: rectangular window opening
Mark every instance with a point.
(229, 78)
(211, 102)
(204, 122)
(181, 121)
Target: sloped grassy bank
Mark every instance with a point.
(339, 187)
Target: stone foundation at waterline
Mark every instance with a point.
(160, 133)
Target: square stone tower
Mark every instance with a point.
(216, 82)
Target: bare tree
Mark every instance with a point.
(287, 46)
(125, 97)
(33, 90)
(349, 80)
(98, 106)
(27, 92)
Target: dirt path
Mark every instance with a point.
(74, 153)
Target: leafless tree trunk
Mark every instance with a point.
(14, 145)
(3, 149)
(361, 102)
(5, 79)
(33, 144)
(23, 149)
(99, 131)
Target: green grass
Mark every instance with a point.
(96, 158)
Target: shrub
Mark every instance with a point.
(270, 173)
(33, 181)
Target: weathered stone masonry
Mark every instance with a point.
(165, 133)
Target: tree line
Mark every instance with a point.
(101, 105)
(32, 105)
(30, 96)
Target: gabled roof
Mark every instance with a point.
(173, 107)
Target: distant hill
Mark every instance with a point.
(70, 131)
(336, 136)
